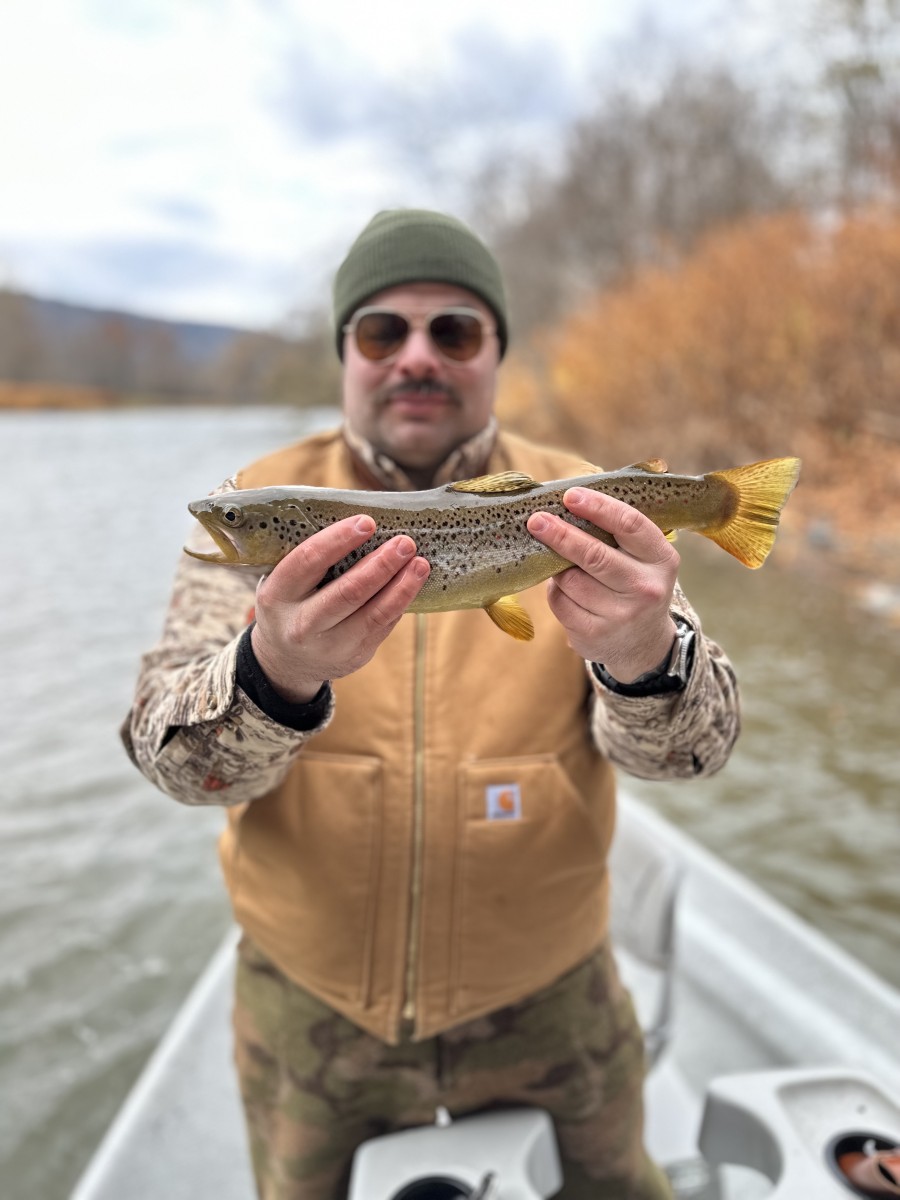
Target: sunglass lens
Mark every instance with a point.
(458, 335)
(380, 334)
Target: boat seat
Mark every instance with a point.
(787, 1123)
(645, 879)
(507, 1153)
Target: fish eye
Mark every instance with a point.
(232, 514)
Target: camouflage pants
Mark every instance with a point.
(315, 1086)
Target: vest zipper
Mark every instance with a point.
(412, 947)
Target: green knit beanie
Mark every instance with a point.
(413, 245)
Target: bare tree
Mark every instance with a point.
(642, 177)
(21, 349)
(858, 43)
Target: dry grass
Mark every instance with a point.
(54, 396)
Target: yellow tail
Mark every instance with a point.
(762, 490)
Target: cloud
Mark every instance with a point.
(325, 91)
(185, 211)
(158, 264)
(321, 92)
(193, 154)
(142, 274)
(420, 132)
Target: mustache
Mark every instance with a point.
(418, 387)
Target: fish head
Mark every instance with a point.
(250, 528)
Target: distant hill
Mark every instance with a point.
(126, 354)
(131, 356)
(195, 342)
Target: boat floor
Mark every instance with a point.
(183, 1121)
(755, 989)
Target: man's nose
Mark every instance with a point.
(418, 353)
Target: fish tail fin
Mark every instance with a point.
(761, 491)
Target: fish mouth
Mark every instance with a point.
(228, 552)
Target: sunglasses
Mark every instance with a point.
(457, 333)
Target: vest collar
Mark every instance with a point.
(378, 469)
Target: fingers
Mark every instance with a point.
(389, 603)
(614, 602)
(305, 634)
(298, 575)
(371, 576)
(392, 574)
(638, 540)
(301, 571)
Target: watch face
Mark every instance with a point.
(682, 652)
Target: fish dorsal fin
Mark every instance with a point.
(653, 466)
(486, 485)
(590, 469)
(509, 615)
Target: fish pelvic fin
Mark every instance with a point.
(488, 485)
(509, 615)
(762, 490)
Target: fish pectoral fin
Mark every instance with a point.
(671, 535)
(509, 615)
(487, 485)
(653, 466)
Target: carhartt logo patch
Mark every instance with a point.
(503, 802)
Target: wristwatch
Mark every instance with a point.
(670, 676)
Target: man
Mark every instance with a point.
(419, 808)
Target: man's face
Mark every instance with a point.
(420, 405)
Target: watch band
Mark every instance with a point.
(670, 676)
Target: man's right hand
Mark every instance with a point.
(304, 634)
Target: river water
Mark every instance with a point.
(110, 898)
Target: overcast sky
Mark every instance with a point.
(212, 159)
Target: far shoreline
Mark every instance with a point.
(823, 532)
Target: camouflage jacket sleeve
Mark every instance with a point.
(679, 735)
(192, 731)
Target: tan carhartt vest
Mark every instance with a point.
(439, 850)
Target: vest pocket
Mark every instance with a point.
(305, 873)
(530, 883)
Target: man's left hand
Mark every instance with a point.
(614, 602)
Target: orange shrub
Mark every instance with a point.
(771, 332)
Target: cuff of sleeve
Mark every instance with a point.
(252, 680)
(660, 685)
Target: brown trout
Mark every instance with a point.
(473, 533)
